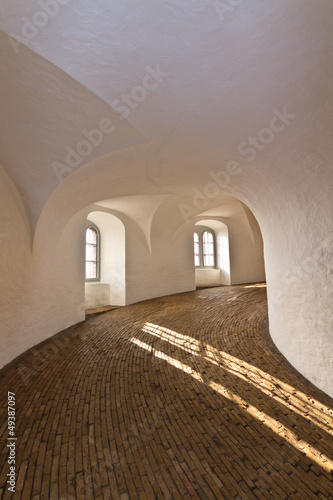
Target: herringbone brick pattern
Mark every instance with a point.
(178, 397)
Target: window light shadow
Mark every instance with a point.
(256, 285)
(316, 412)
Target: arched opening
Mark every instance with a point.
(105, 282)
(211, 249)
(229, 247)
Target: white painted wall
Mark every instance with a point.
(208, 277)
(15, 269)
(246, 255)
(299, 261)
(215, 94)
(165, 269)
(97, 295)
(45, 294)
(223, 253)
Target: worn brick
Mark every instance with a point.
(210, 410)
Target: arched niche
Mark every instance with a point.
(220, 275)
(111, 288)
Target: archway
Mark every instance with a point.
(219, 273)
(238, 246)
(110, 286)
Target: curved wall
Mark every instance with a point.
(50, 298)
(169, 124)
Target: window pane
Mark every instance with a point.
(196, 250)
(91, 235)
(88, 252)
(93, 270)
(208, 249)
(91, 253)
(88, 270)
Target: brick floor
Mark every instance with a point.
(178, 397)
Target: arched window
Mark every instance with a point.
(93, 242)
(204, 247)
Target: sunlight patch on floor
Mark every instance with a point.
(271, 386)
(317, 413)
(257, 285)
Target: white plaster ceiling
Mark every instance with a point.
(230, 208)
(223, 78)
(141, 209)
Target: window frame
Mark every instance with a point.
(200, 230)
(91, 225)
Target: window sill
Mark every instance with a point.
(206, 269)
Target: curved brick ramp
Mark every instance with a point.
(179, 397)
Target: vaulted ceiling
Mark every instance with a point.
(183, 83)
